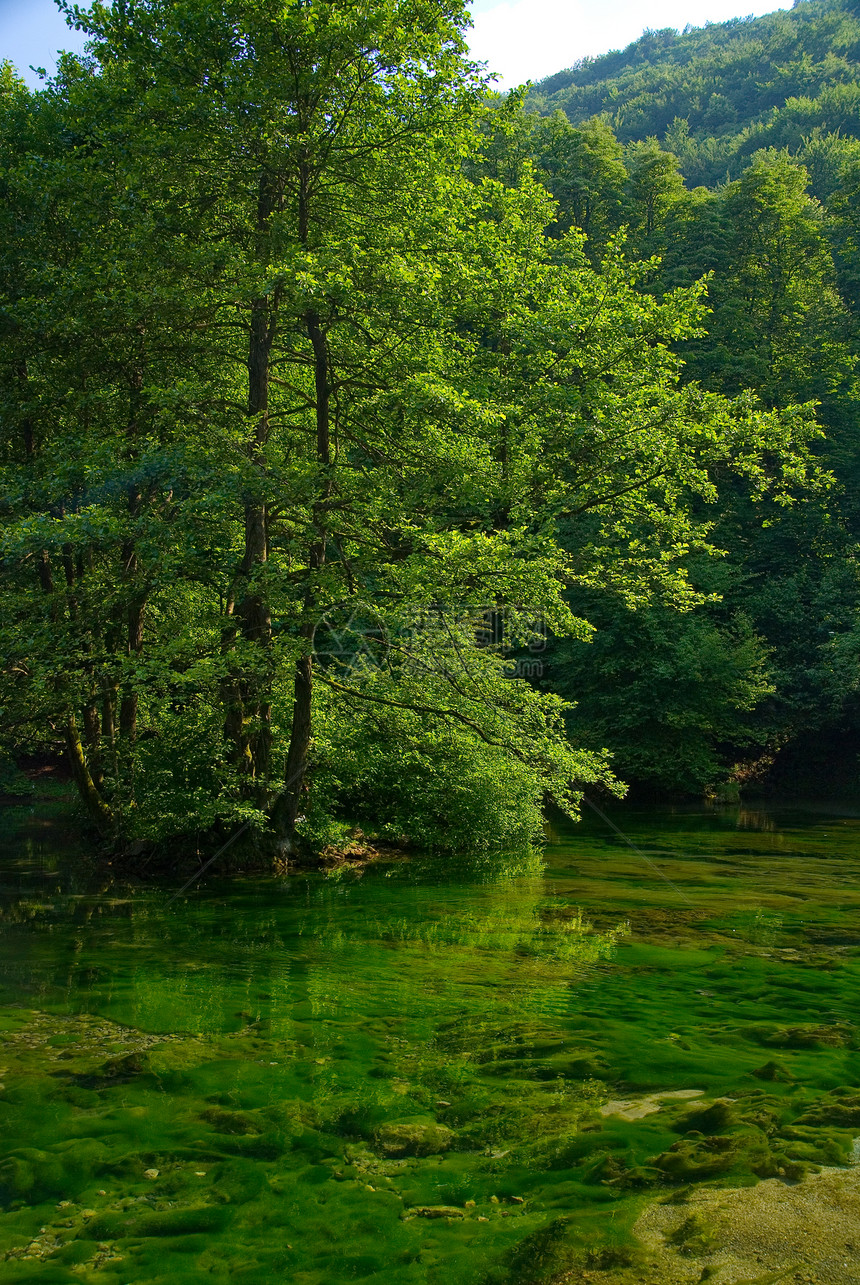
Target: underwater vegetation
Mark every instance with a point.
(422, 1073)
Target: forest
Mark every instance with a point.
(429, 644)
(387, 456)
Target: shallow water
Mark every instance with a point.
(420, 1073)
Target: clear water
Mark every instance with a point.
(408, 1074)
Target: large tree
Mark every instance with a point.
(307, 406)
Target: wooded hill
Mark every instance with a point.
(717, 94)
(766, 112)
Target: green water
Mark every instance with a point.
(398, 1075)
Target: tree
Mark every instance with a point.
(654, 186)
(584, 169)
(294, 375)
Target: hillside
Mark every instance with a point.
(715, 95)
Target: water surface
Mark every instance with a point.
(420, 1072)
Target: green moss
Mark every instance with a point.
(695, 1236)
(302, 1069)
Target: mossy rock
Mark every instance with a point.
(590, 1066)
(27, 1174)
(34, 1175)
(166, 1222)
(695, 1235)
(117, 1070)
(520, 1049)
(841, 1112)
(696, 1159)
(713, 1119)
(241, 1122)
(772, 1071)
(815, 1146)
(546, 1253)
(806, 1036)
(414, 1139)
(238, 1181)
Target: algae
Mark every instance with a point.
(425, 1075)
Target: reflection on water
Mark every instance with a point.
(398, 1075)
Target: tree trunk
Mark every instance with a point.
(98, 810)
(134, 614)
(289, 807)
(247, 695)
(93, 730)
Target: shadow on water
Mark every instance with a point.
(413, 1074)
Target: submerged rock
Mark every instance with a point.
(409, 1139)
(772, 1071)
(434, 1211)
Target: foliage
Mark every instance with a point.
(717, 94)
(673, 695)
(306, 379)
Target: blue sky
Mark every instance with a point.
(520, 39)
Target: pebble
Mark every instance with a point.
(150, 1173)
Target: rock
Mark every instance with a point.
(152, 1174)
(414, 1139)
(714, 1119)
(434, 1211)
(122, 1068)
(772, 1071)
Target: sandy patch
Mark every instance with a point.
(637, 1108)
(773, 1232)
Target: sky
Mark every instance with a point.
(520, 39)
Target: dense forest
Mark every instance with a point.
(380, 451)
(731, 153)
(717, 95)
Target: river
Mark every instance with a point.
(468, 1073)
